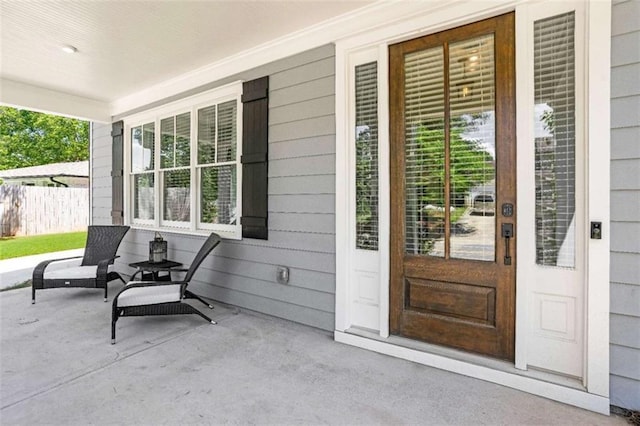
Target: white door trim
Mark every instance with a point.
(597, 42)
(561, 287)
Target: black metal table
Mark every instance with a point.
(152, 271)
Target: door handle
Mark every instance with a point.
(507, 234)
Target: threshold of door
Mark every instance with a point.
(558, 388)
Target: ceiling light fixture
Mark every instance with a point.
(69, 49)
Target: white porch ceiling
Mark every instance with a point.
(128, 46)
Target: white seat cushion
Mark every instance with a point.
(76, 272)
(149, 295)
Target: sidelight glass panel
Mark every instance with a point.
(218, 195)
(366, 140)
(472, 149)
(424, 152)
(176, 195)
(554, 79)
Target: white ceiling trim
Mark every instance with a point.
(349, 24)
(21, 95)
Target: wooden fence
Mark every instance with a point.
(34, 210)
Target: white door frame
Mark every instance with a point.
(350, 329)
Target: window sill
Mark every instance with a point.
(227, 235)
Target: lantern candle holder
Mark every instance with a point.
(157, 249)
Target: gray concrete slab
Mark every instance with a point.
(58, 367)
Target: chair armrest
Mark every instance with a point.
(106, 262)
(103, 270)
(139, 284)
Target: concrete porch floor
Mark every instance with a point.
(58, 367)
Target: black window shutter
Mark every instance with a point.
(117, 195)
(255, 132)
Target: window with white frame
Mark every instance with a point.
(184, 165)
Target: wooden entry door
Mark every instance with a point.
(453, 191)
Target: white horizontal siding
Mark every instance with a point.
(303, 222)
(624, 49)
(310, 184)
(303, 166)
(624, 143)
(624, 268)
(625, 237)
(625, 205)
(319, 145)
(625, 299)
(625, 17)
(101, 174)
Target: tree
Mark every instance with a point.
(367, 188)
(29, 138)
(470, 165)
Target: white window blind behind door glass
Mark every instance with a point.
(555, 160)
(424, 152)
(366, 140)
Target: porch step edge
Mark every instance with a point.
(567, 395)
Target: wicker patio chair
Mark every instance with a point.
(92, 272)
(140, 298)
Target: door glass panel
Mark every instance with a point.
(424, 152)
(554, 69)
(470, 172)
(472, 148)
(366, 140)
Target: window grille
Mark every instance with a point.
(142, 167)
(170, 190)
(217, 142)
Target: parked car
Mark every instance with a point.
(484, 205)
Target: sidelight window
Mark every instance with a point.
(555, 147)
(366, 140)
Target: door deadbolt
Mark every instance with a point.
(507, 210)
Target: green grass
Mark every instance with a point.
(17, 286)
(37, 244)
